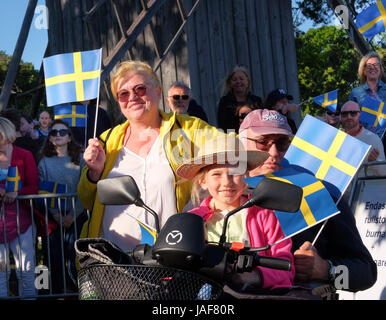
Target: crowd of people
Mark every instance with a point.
(167, 155)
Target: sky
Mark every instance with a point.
(11, 18)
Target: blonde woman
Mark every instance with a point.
(18, 236)
(371, 73)
(149, 146)
(236, 92)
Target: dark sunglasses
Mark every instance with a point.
(351, 113)
(330, 113)
(62, 132)
(243, 115)
(124, 95)
(281, 144)
(183, 97)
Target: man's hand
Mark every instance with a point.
(309, 265)
(374, 153)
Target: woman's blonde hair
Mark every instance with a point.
(362, 66)
(227, 83)
(132, 66)
(7, 130)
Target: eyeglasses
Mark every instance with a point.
(351, 113)
(281, 144)
(62, 132)
(330, 113)
(243, 115)
(124, 95)
(178, 97)
(373, 65)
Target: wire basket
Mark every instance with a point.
(141, 282)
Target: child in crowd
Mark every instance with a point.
(44, 126)
(61, 161)
(222, 178)
(241, 113)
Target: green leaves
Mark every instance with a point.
(326, 61)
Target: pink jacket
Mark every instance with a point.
(263, 229)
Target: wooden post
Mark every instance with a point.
(18, 52)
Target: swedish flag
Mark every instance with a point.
(71, 77)
(328, 153)
(75, 115)
(328, 100)
(47, 187)
(13, 182)
(149, 235)
(373, 113)
(316, 206)
(372, 20)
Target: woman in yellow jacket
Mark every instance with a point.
(148, 146)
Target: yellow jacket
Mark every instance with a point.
(181, 135)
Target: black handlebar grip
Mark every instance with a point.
(273, 263)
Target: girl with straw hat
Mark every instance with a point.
(219, 169)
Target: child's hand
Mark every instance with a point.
(10, 197)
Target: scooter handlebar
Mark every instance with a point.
(272, 263)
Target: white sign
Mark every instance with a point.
(370, 216)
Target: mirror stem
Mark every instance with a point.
(246, 204)
(141, 204)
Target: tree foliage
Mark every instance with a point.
(26, 79)
(319, 12)
(326, 61)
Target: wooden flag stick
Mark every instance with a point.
(97, 103)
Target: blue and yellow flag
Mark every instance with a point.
(47, 187)
(71, 77)
(329, 154)
(328, 100)
(13, 182)
(316, 206)
(148, 233)
(373, 113)
(372, 20)
(75, 115)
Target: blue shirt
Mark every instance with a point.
(360, 93)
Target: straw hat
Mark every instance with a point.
(223, 149)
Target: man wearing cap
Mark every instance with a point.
(340, 242)
(278, 100)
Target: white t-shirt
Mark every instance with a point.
(155, 180)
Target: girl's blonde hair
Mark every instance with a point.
(227, 82)
(7, 130)
(362, 66)
(132, 66)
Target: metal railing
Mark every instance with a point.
(52, 262)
